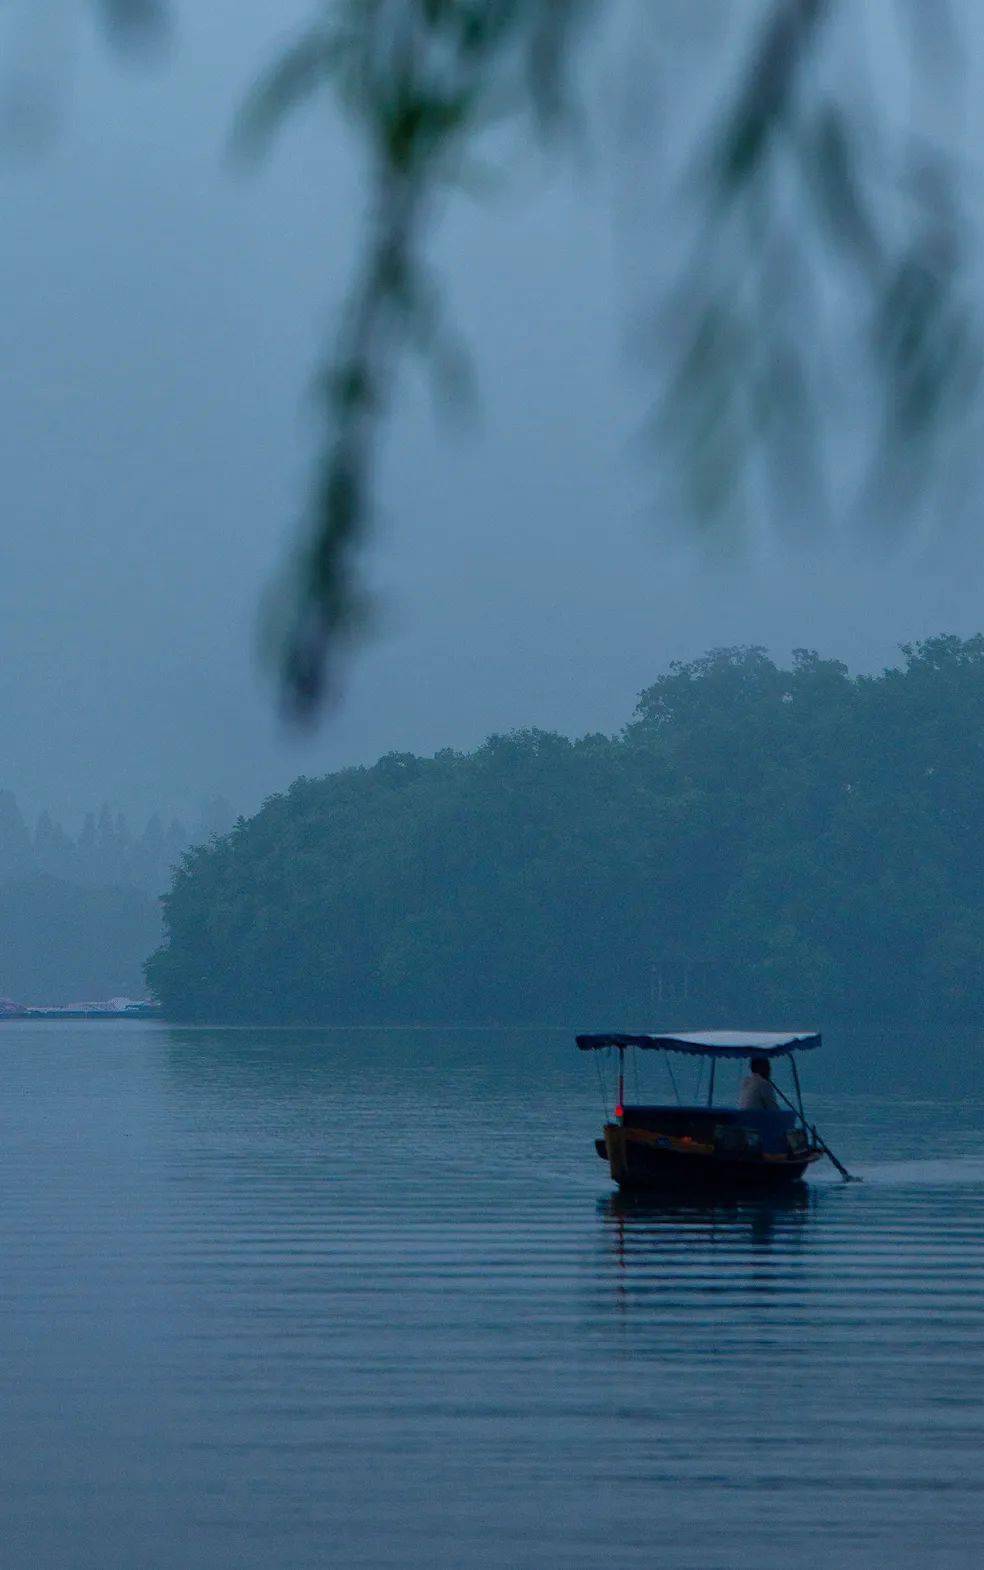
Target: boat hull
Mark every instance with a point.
(639, 1160)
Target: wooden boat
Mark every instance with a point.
(696, 1147)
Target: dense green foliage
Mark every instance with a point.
(777, 844)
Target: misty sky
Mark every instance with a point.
(162, 318)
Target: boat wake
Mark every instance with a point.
(953, 1171)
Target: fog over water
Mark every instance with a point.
(164, 317)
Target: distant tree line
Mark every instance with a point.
(78, 913)
(104, 852)
(760, 843)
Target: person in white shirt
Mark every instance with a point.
(756, 1093)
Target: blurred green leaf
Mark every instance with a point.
(301, 71)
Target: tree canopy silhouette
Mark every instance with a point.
(759, 838)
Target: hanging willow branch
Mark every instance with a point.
(796, 195)
(740, 353)
(422, 80)
(801, 198)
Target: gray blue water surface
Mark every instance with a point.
(285, 1299)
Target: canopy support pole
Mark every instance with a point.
(710, 1088)
(799, 1093)
(621, 1082)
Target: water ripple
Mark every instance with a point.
(264, 1304)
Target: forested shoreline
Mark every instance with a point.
(760, 843)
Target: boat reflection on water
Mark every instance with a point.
(672, 1244)
(758, 1212)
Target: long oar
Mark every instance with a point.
(849, 1177)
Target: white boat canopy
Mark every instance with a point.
(712, 1043)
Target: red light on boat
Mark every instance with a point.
(619, 1111)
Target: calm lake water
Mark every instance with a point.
(315, 1299)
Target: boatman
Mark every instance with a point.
(756, 1093)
